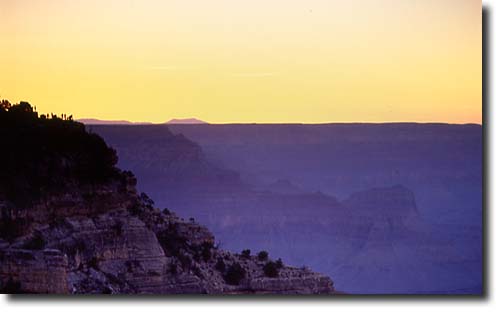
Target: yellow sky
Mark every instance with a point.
(245, 61)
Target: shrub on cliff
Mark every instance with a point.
(202, 251)
(185, 260)
(246, 253)
(220, 265)
(147, 201)
(206, 251)
(171, 241)
(263, 255)
(270, 269)
(234, 274)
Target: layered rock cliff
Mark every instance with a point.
(130, 247)
(72, 233)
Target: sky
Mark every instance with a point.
(227, 61)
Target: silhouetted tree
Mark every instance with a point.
(263, 255)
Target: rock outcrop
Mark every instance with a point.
(33, 271)
(132, 248)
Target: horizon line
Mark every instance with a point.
(128, 122)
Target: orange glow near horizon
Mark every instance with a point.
(246, 61)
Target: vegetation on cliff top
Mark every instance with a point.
(42, 153)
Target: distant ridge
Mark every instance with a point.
(186, 121)
(92, 121)
(116, 122)
(192, 121)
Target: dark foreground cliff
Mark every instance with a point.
(71, 222)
